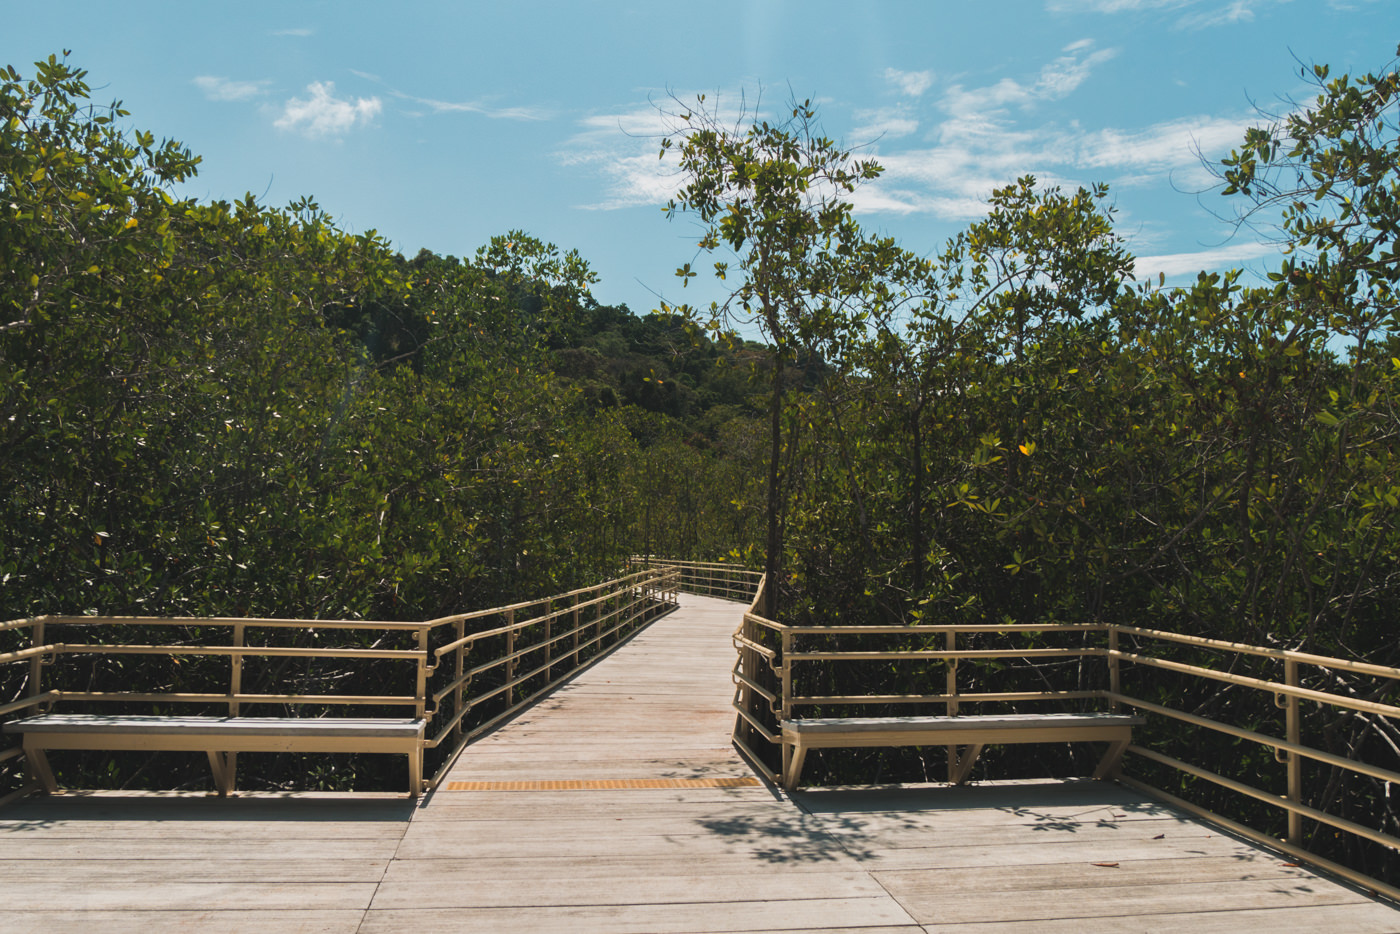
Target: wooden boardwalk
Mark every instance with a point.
(618, 805)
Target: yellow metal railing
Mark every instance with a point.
(1119, 667)
(708, 578)
(463, 673)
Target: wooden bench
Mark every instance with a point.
(975, 732)
(221, 737)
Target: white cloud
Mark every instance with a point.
(885, 123)
(625, 147)
(1112, 6)
(1162, 145)
(1185, 264)
(1203, 13)
(323, 114)
(225, 89)
(911, 83)
(299, 33)
(476, 107)
(989, 136)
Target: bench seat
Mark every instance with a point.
(975, 732)
(221, 737)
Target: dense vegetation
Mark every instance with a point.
(234, 409)
(213, 408)
(1014, 430)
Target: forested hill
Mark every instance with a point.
(233, 409)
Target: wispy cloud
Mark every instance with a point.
(1185, 264)
(224, 89)
(624, 147)
(1197, 14)
(884, 123)
(974, 139)
(991, 134)
(323, 114)
(911, 83)
(478, 107)
(301, 32)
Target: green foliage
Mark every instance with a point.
(230, 409)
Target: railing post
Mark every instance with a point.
(1115, 682)
(1294, 761)
(548, 640)
(787, 675)
(510, 658)
(459, 668)
(576, 628)
(951, 691)
(786, 668)
(36, 664)
(235, 676)
(420, 697)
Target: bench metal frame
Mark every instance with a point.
(974, 732)
(456, 678)
(222, 738)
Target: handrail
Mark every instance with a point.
(548, 640)
(777, 661)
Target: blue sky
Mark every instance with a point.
(441, 124)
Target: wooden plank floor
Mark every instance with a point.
(563, 829)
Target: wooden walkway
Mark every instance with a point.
(618, 805)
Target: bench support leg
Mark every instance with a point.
(38, 763)
(223, 764)
(793, 757)
(965, 763)
(1108, 765)
(415, 772)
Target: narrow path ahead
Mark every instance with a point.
(618, 805)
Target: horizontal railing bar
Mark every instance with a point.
(474, 701)
(14, 752)
(941, 653)
(942, 628)
(1249, 833)
(741, 678)
(1263, 739)
(388, 700)
(618, 585)
(31, 652)
(267, 650)
(1322, 697)
(220, 621)
(1278, 801)
(748, 643)
(767, 734)
(944, 698)
(460, 681)
(757, 620)
(515, 627)
(1287, 655)
(522, 624)
(755, 762)
(23, 703)
(22, 623)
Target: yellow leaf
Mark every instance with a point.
(130, 224)
(1028, 448)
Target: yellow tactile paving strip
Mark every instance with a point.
(603, 783)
